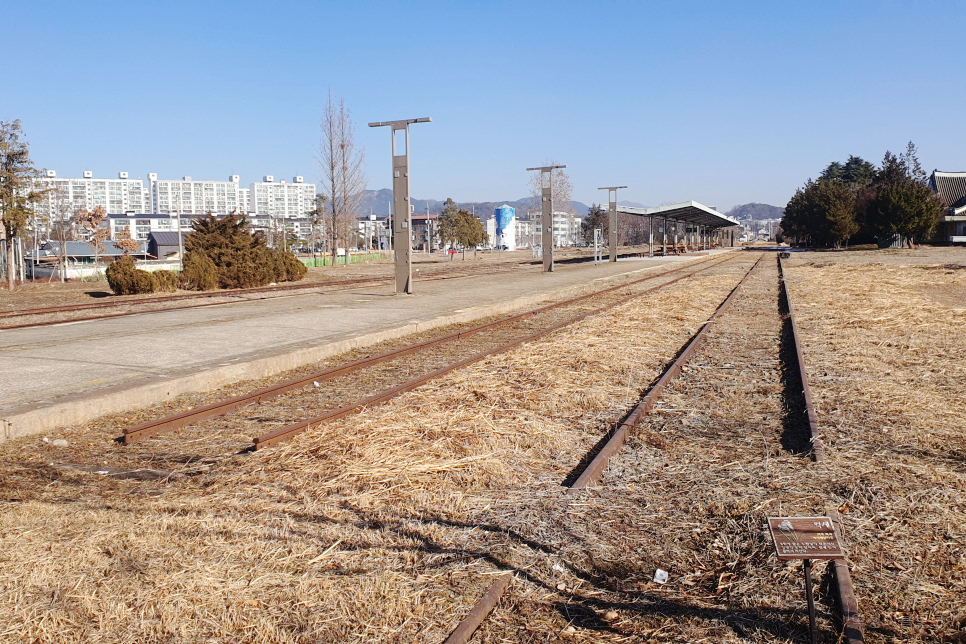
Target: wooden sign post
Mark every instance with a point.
(806, 538)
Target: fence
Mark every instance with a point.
(327, 260)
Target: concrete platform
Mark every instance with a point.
(70, 373)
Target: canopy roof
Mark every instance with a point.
(690, 212)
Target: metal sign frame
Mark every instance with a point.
(806, 538)
(546, 219)
(612, 219)
(402, 213)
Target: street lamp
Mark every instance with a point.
(612, 219)
(402, 223)
(546, 221)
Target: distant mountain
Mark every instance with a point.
(756, 211)
(378, 201)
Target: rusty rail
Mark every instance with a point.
(176, 421)
(848, 605)
(595, 468)
(285, 433)
(483, 607)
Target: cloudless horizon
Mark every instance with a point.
(724, 103)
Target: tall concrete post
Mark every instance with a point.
(612, 219)
(402, 222)
(546, 213)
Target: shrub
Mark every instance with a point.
(240, 259)
(284, 267)
(199, 273)
(125, 278)
(165, 281)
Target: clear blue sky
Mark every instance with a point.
(720, 102)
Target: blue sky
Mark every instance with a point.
(720, 102)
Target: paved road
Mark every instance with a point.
(69, 373)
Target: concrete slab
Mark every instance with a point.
(70, 373)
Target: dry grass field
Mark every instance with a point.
(886, 357)
(386, 526)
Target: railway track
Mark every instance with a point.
(594, 467)
(391, 373)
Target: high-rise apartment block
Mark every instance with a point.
(173, 197)
(285, 200)
(66, 196)
(190, 197)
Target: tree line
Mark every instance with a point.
(857, 202)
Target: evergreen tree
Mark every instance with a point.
(456, 226)
(823, 213)
(242, 260)
(596, 217)
(900, 202)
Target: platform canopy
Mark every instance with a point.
(689, 212)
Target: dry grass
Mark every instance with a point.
(887, 363)
(369, 529)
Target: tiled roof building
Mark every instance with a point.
(950, 187)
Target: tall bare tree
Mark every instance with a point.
(18, 192)
(562, 189)
(343, 172)
(62, 223)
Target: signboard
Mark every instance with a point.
(805, 538)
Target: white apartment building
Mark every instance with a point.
(67, 196)
(161, 201)
(282, 200)
(139, 225)
(190, 197)
(566, 228)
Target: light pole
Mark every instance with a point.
(546, 220)
(612, 219)
(402, 223)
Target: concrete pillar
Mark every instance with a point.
(650, 236)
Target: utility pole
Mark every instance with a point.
(612, 219)
(546, 221)
(402, 224)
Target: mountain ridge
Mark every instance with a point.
(377, 201)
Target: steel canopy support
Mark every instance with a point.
(546, 213)
(612, 219)
(402, 222)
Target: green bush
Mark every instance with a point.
(165, 281)
(199, 273)
(240, 259)
(125, 278)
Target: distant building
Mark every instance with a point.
(286, 200)
(66, 196)
(566, 229)
(139, 226)
(950, 187)
(190, 197)
(162, 245)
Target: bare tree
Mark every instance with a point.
(92, 221)
(343, 172)
(562, 189)
(562, 192)
(61, 212)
